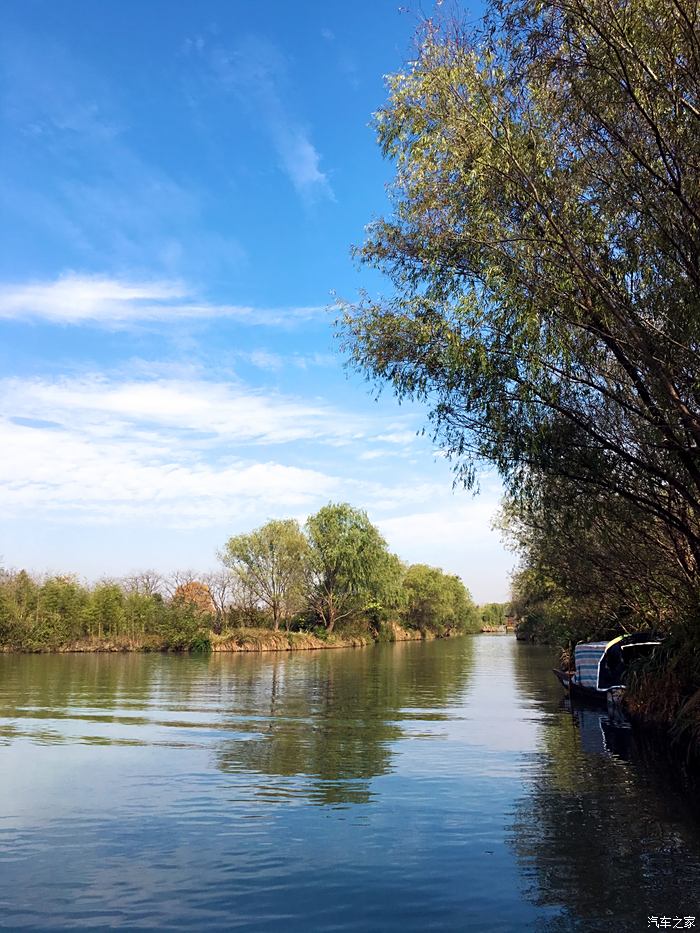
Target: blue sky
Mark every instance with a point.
(180, 185)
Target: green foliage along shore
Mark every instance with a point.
(543, 252)
(333, 582)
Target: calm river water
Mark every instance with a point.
(405, 787)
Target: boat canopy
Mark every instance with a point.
(587, 657)
(601, 665)
(618, 654)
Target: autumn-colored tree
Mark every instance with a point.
(196, 594)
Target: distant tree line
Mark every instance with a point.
(494, 615)
(334, 573)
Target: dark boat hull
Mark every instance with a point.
(577, 692)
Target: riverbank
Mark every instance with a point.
(662, 702)
(665, 704)
(238, 640)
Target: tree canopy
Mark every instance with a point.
(348, 562)
(436, 601)
(543, 250)
(270, 563)
(336, 571)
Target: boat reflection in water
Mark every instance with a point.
(606, 832)
(602, 733)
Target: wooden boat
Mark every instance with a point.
(600, 667)
(577, 691)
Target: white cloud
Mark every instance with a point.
(174, 450)
(182, 449)
(398, 437)
(74, 299)
(458, 537)
(117, 480)
(300, 159)
(184, 453)
(82, 299)
(264, 359)
(451, 526)
(176, 447)
(202, 410)
(275, 362)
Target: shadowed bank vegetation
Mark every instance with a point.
(333, 583)
(543, 250)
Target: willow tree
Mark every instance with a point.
(592, 566)
(544, 248)
(270, 564)
(349, 566)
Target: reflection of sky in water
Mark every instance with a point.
(396, 787)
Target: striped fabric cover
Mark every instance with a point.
(587, 657)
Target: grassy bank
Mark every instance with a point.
(265, 640)
(238, 640)
(146, 613)
(663, 697)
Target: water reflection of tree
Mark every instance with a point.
(605, 841)
(334, 717)
(56, 683)
(325, 720)
(99, 687)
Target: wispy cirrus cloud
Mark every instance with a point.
(82, 299)
(81, 180)
(255, 71)
(185, 451)
(276, 362)
(117, 479)
(190, 411)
